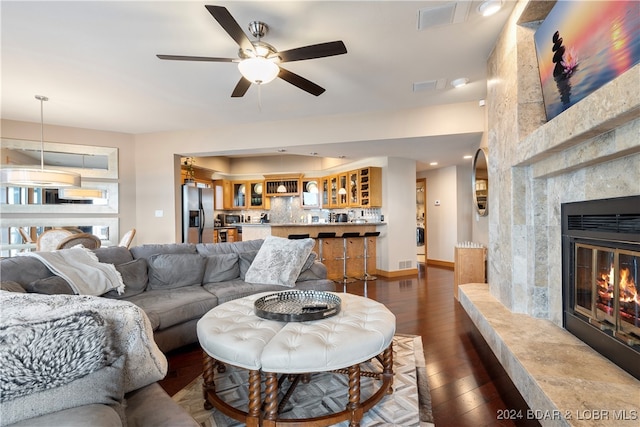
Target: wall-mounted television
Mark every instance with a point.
(582, 45)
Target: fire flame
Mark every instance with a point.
(628, 291)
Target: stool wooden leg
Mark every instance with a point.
(270, 400)
(354, 396)
(208, 366)
(253, 414)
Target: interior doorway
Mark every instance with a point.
(421, 219)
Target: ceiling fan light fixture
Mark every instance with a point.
(258, 70)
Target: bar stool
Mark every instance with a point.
(345, 237)
(320, 238)
(366, 276)
(298, 236)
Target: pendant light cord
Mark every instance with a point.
(41, 98)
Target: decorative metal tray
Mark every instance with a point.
(298, 306)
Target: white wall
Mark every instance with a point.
(442, 220)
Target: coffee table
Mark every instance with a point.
(232, 334)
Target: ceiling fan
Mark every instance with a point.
(258, 61)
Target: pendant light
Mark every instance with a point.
(81, 193)
(17, 176)
(281, 188)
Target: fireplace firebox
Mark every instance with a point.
(601, 277)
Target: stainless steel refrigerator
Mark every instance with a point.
(197, 214)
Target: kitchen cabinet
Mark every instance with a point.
(353, 188)
(343, 200)
(370, 187)
(291, 184)
(325, 192)
(255, 196)
(333, 191)
(310, 193)
(223, 194)
(239, 192)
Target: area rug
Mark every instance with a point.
(409, 405)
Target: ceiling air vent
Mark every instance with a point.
(450, 13)
(429, 85)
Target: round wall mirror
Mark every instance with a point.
(480, 181)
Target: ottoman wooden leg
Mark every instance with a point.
(354, 406)
(253, 414)
(387, 366)
(208, 366)
(270, 400)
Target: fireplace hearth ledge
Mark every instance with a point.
(557, 374)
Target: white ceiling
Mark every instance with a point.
(97, 63)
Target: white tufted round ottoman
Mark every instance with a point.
(231, 333)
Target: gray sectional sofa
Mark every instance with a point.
(174, 285)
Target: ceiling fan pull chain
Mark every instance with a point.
(260, 98)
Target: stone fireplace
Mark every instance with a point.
(589, 152)
(601, 277)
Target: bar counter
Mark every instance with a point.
(332, 248)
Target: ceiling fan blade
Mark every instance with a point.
(230, 25)
(301, 82)
(241, 88)
(320, 50)
(196, 58)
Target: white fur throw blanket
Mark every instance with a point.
(131, 330)
(82, 270)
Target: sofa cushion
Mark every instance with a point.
(135, 278)
(53, 285)
(113, 255)
(94, 415)
(103, 386)
(238, 288)
(206, 249)
(279, 261)
(146, 251)
(23, 269)
(170, 271)
(221, 268)
(168, 307)
(244, 260)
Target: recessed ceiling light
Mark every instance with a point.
(489, 7)
(468, 156)
(433, 164)
(459, 82)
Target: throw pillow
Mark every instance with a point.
(135, 278)
(103, 386)
(309, 262)
(221, 268)
(170, 271)
(51, 351)
(11, 286)
(279, 261)
(53, 285)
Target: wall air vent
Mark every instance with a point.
(625, 223)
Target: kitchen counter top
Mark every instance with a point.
(310, 224)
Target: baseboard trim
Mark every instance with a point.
(444, 264)
(397, 273)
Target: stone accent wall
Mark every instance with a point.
(590, 151)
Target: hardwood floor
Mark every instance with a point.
(468, 385)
